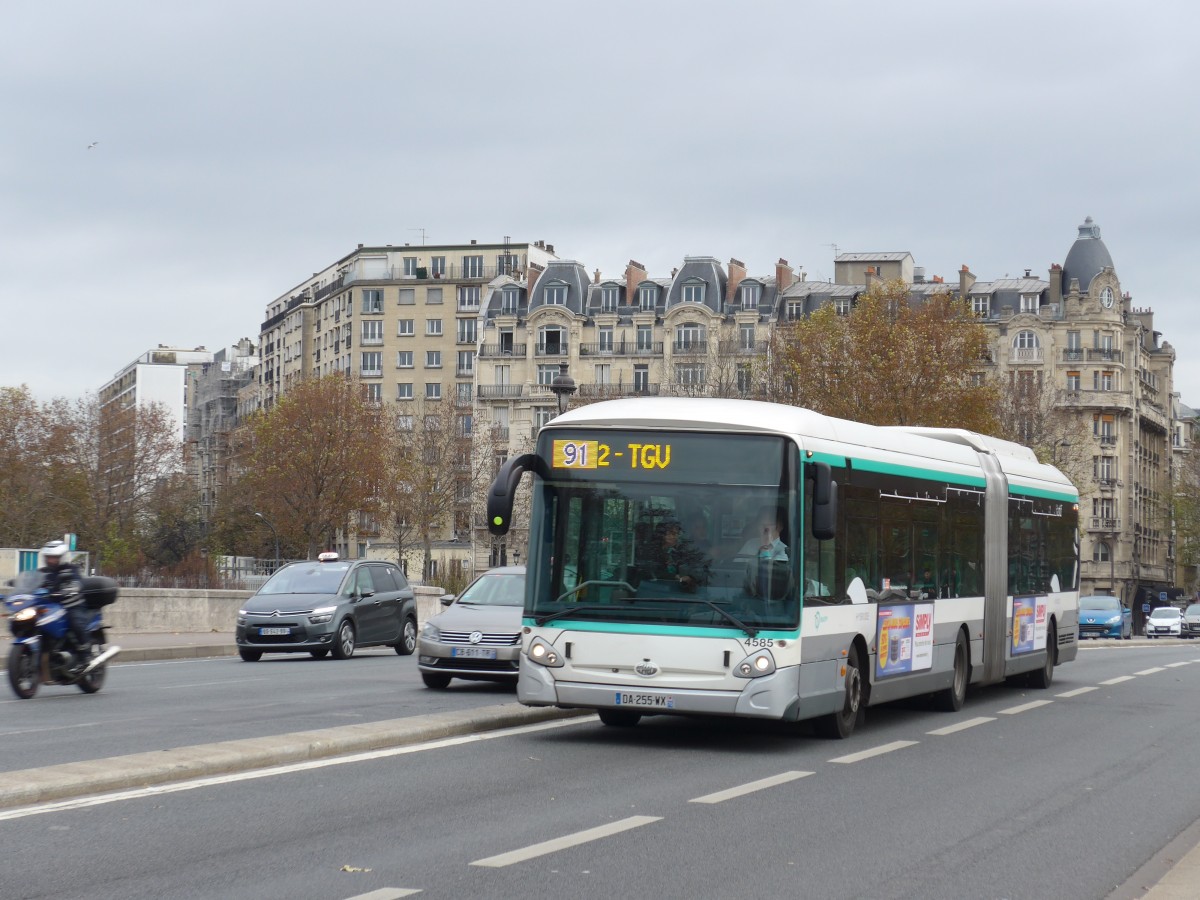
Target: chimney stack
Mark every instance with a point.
(531, 277)
(635, 274)
(596, 277)
(1056, 283)
(784, 275)
(966, 281)
(737, 271)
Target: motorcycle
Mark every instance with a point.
(44, 650)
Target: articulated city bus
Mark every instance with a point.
(736, 558)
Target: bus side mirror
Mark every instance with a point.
(824, 506)
(500, 494)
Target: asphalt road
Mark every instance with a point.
(166, 704)
(1069, 792)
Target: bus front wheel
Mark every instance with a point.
(1042, 678)
(619, 718)
(841, 724)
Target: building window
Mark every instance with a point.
(1101, 552)
(466, 424)
(1072, 381)
(641, 379)
(372, 331)
(693, 292)
(373, 393)
(404, 392)
(556, 295)
(410, 266)
(408, 297)
(608, 298)
(1025, 340)
(433, 359)
(746, 337)
(468, 296)
(1104, 468)
(689, 374)
(372, 300)
(466, 362)
(1029, 303)
(437, 265)
(750, 294)
(841, 306)
(510, 298)
(795, 309)
(404, 328)
(433, 296)
(647, 296)
(502, 375)
(546, 374)
(404, 422)
(433, 390)
(1073, 342)
(605, 335)
(603, 373)
(981, 305)
(372, 364)
(743, 379)
(404, 359)
(472, 266)
(551, 341)
(433, 327)
(690, 336)
(466, 331)
(645, 338)
(465, 392)
(506, 264)
(1103, 381)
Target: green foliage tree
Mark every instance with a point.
(888, 362)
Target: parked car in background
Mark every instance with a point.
(1104, 616)
(1191, 621)
(329, 605)
(1165, 621)
(478, 636)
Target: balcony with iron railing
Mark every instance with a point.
(1102, 523)
(745, 348)
(621, 348)
(500, 391)
(551, 350)
(612, 391)
(491, 350)
(1104, 354)
(453, 272)
(689, 347)
(1107, 440)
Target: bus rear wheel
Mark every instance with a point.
(1042, 678)
(619, 718)
(841, 724)
(952, 698)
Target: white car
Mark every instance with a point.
(1165, 621)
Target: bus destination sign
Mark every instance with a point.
(599, 455)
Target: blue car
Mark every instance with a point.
(1104, 617)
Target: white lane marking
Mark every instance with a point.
(961, 726)
(876, 751)
(1118, 679)
(1150, 671)
(232, 778)
(1178, 664)
(386, 894)
(750, 787)
(1076, 692)
(1032, 704)
(49, 728)
(567, 840)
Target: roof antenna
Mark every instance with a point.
(422, 230)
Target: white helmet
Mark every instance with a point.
(54, 548)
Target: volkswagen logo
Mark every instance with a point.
(476, 637)
(646, 669)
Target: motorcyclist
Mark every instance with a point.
(64, 583)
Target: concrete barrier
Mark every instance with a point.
(168, 610)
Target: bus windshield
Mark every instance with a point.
(683, 529)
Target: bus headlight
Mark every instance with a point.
(756, 665)
(543, 653)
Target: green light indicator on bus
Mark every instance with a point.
(497, 520)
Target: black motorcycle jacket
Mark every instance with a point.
(64, 583)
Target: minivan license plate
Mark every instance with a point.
(267, 631)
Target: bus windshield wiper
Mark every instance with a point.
(569, 611)
(723, 613)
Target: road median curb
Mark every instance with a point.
(139, 770)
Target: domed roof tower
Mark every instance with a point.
(1087, 257)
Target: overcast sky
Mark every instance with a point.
(242, 146)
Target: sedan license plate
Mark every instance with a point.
(267, 631)
(645, 700)
(472, 653)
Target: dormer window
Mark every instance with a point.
(981, 305)
(608, 298)
(647, 296)
(556, 294)
(1029, 303)
(841, 306)
(693, 292)
(509, 298)
(750, 292)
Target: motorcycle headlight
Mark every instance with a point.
(27, 614)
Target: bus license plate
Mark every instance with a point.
(472, 653)
(266, 631)
(645, 700)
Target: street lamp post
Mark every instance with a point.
(563, 386)
(1065, 444)
(274, 532)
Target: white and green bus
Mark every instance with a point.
(736, 558)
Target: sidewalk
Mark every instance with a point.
(172, 645)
